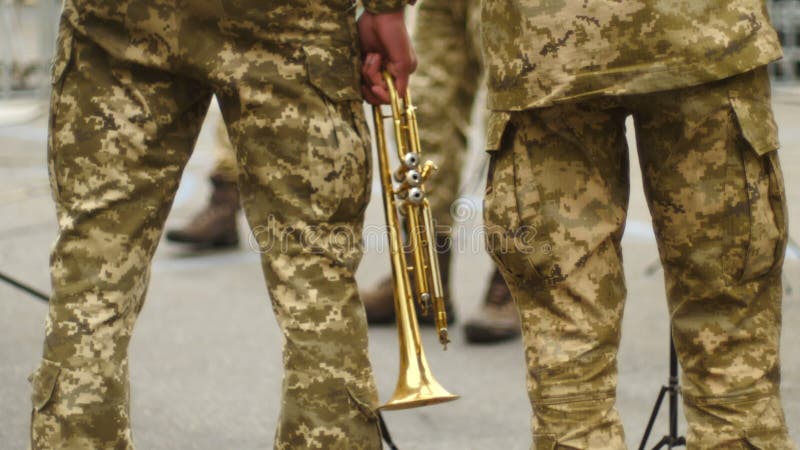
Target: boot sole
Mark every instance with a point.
(481, 335)
(381, 321)
(219, 243)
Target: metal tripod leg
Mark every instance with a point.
(673, 389)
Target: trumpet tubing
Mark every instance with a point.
(416, 385)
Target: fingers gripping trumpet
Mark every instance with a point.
(416, 385)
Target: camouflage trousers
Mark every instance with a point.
(448, 77)
(555, 209)
(123, 124)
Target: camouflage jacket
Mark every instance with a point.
(163, 33)
(539, 52)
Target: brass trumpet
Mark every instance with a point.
(416, 385)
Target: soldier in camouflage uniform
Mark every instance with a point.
(562, 78)
(447, 41)
(131, 84)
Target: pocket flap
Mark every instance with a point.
(43, 382)
(770, 439)
(757, 123)
(366, 408)
(544, 442)
(334, 71)
(496, 126)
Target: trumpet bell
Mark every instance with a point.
(416, 385)
(429, 393)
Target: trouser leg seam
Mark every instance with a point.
(726, 399)
(575, 398)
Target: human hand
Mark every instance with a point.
(386, 46)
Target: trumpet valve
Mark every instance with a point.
(415, 196)
(413, 178)
(410, 161)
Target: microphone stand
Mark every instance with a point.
(673, 389)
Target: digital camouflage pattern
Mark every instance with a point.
(563, 76)
(132, 82)
(450, 70)
(542, 52)
(444, 87)
(555, 209)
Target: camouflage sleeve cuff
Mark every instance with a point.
(385, 6)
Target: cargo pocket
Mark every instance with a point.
(61, 61)
(508, 240)
(43, 383)
(360, 125)
(495, 129)
(338, 163)
(764, 191)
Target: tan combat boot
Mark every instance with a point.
(214, 226)
(379, 302)
(498, 318)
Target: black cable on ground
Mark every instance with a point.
(24, 287)
(385, 432)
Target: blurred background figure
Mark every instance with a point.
(27, 38)
(215, 225)
(785, 17)
(20, 68)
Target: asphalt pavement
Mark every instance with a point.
(205, 358)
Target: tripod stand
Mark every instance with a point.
(673, 389)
